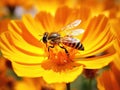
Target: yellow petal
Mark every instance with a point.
(98, 61)
(28, 70)
(35, 70)
(13, 50)
(46, 5)
(65, 76)
(20, 33)
(33, 27)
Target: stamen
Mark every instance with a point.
(59, 61)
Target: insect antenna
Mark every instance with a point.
(40, 35)
(41, 38)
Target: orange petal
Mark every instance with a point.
(107, 81)
(62, 15)
(20, 32)
(97, 35)
(46, 20)
(3, 25)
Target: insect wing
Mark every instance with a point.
(76, 23)
(69, 40)
(71, 25)
(75, 32)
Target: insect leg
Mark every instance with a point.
(64, 49)
(50, 47)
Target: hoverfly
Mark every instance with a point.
(54, 38)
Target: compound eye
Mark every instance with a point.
(44, 39)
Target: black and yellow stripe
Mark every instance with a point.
(77, 45)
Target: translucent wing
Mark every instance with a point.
(70, 29)
(71, 25)
(75, 32)
(68, 40)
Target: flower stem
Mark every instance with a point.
(90, 84)
(68, 86)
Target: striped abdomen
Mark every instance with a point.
(73, 43)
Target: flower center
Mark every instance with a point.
(59, 61)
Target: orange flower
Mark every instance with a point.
(52, 5)
(3, 67)
(110, 79)
(4, 25)
(106, 7)
(21, 44)
(3, 28)
(14, 8)
(14, 3)
(6, 81)
(37, 84)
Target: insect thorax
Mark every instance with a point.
(54, 38)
